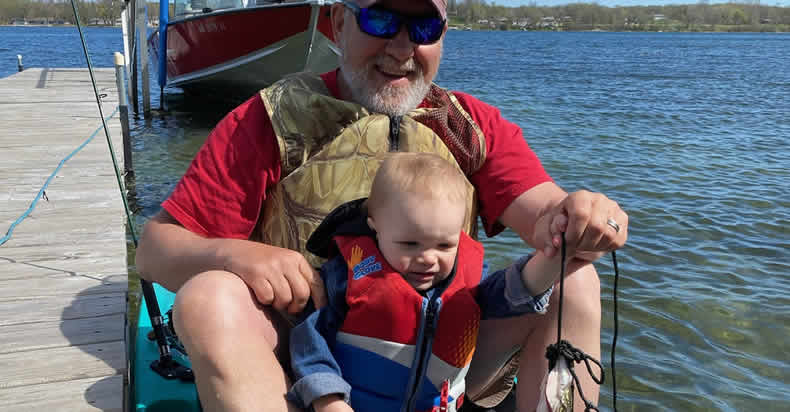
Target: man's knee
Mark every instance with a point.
(582, 294)
(218, 304)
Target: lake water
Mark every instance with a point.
(688, 132)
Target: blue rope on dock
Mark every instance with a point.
(49, 179)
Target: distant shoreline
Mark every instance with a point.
(455, 28)
(56, 25)
(64, 25)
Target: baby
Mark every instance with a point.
(407, 289)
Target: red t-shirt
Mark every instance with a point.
(222, 192)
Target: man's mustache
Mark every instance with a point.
(409, 66)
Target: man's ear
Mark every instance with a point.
(338, 16)
(371, 223)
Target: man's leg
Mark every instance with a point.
(233, 343)
(581, 326)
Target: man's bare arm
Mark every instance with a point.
(170, 254)
(523, 213)
(586, 229)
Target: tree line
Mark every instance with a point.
(480, 14)
(60, 12)
(751, 16)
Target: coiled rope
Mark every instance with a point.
(40, 194)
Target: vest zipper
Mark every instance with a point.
(425, 349)
(395, 133)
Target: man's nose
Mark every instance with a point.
(401, 46)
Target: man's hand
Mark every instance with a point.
(279, 277)
(584, 217)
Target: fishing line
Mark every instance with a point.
(571, 354)
(614, 336)
(165, 365)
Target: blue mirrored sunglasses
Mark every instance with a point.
(384, 23)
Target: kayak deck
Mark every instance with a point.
(151, 392)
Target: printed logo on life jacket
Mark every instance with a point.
(362, 267)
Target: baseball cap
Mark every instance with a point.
(440, 5)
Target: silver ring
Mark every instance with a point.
(613, 224)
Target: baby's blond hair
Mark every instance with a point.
(424, 174)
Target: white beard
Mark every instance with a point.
(389, 100)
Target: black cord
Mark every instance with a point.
(562, 290)
(614, 337)
(573, 355)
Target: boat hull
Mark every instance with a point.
(247, 49)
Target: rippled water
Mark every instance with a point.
(689, 132)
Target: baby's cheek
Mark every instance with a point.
(403, 264)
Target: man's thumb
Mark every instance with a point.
(317, 290)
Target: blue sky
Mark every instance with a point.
(609, 3)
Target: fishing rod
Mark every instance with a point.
(165, 366)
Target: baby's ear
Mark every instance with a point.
(371, 224)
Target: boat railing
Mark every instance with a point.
(190, 7)
(186, 8)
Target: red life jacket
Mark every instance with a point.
(397, 347)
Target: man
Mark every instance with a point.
(274, 166)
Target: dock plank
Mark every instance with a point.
(57, 308)
(63, 273)
(48, 268)
(64, 284)
(58, 396)
(49, 334)
(18, 251)
(62, 364)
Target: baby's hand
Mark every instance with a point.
(331, 403)
(553, 225)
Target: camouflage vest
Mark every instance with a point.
(330, 150)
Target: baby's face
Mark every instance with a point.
(419, 237)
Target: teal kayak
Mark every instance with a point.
(150, 392)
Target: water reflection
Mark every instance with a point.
(701, 169)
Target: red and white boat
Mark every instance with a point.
(235, 47)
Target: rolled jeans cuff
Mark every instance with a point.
(316, 385)
(516, 293)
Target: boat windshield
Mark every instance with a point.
(184, 8)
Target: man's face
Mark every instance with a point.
(390, 76)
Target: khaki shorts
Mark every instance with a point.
(498, 383)
(498, 386)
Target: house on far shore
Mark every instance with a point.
(18, 22)
(40, 21)
(548, 22)
(659, 17)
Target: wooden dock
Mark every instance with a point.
(63, 273)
